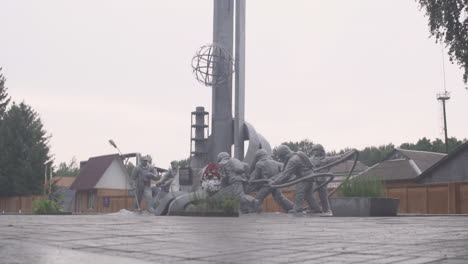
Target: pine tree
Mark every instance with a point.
(4, 98)
(24, 150)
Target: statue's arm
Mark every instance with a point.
(288, 171)
(154, 174)
(330, 159)
(164, 178)
(255, 175)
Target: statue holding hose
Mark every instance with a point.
(300, 170)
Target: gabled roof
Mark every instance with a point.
(63, 181)
(402, 164)
(344, 167)
(391, 170)
(92, 171)
(444, 160)
(423, 159)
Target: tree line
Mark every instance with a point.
(375, 154)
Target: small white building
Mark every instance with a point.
(102, 185)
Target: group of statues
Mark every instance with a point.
(264, 177)
(141, 180)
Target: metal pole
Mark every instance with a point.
(45, 177)
(445, 128)
(239, 81)
(221, 112)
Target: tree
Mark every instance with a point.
(23, 151)
(437, 145)
(304, 145)
(373, 155)
(183, 163)
(4, 98)
(448, 23)
(67, 170)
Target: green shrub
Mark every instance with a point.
(362, 187)
(45, 206)
(229, 205)
(212, 204)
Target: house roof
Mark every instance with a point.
(402, 164)
(344, 167)
(391, 170)
(63, 181)
(424, 159)
(92, 171)
(444, 160)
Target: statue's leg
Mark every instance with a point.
(313, 205)
(159, 196)
(248, 203)
(282, 200)
(248, 188)
(139, 197)
(323, 195)
(261, 195)
(148, 195)
(236, 189)
(299, 196)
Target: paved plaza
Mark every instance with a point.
(266, 238)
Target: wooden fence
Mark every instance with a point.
(449, 198)
(18, 204)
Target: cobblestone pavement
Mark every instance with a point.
(266, 238)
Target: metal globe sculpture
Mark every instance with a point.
(213, 65)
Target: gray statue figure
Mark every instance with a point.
(319, 159)
(233, 178)
(142, 176)
(297, 164)
(170, 179)
(264, 169)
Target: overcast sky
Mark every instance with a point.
(351, 73)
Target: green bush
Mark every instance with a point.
(229, 205)
(45, 206)
(362, 187)
(212, 204)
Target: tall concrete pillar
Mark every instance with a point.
(222, 124)
(239, 94)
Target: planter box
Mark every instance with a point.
(213, 214)
(364, 206)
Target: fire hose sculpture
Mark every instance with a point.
(306, 173)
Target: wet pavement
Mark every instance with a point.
(266, 238)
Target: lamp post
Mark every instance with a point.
(45, 172)
(115, 146)
(112, 142)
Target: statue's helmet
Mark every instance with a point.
(318, 147)
(283, 150)
(174, 163)
(221, 156)
(260, 154)
(145, 158)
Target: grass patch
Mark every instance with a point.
(362, 187)
(227, 205)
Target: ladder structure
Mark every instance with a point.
(199, 133)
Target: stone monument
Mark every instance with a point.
(214, 66)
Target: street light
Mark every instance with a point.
(115, 146)
(45, 172)
(122, 156)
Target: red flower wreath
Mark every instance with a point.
(211, 172)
